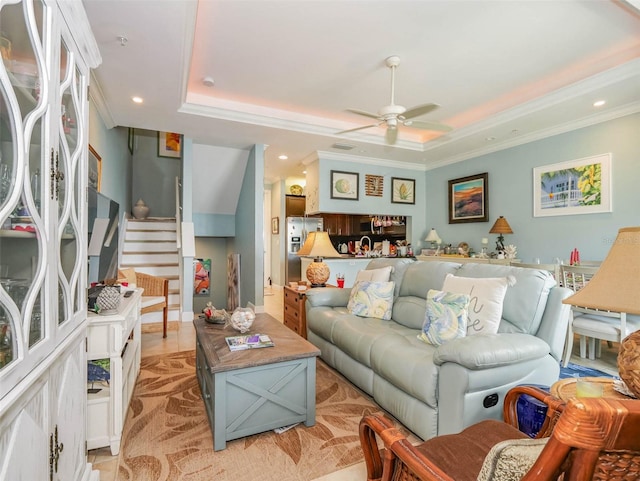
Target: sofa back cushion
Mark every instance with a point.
(524, 302)
(410, 306)
(398, 267)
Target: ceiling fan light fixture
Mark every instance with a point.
(394, 115)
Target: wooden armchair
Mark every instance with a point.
(589, 439)
(155, 296)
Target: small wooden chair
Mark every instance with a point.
(155, 296)
(589, 439)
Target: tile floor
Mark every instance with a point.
(184, 339)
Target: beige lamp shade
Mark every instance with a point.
(318, 245)
(432, 236)
(616, 285)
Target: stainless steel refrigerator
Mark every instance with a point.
(297, 230)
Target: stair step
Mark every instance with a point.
(149, 264)
(148, 248)
(163, 236)
(150, 259)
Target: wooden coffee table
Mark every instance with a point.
(255, 390)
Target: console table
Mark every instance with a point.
(115, 337)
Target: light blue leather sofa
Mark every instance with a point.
(441, 390)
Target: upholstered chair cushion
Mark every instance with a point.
(462, 455)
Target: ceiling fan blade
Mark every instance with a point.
(362, 112)
(419, 110)
(358, 128)
(392, 135)
(423, 124)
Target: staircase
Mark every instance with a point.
(150, 247)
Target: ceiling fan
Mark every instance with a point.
(393, 115)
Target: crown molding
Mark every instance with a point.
(396, 164)
(96, 95)
(623, 111)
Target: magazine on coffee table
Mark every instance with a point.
(249, 341)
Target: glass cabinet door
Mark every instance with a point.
(70, 185)
(24, 105)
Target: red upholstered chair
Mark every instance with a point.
(588, 439)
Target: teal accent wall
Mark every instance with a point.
(371, 205)
(153, 176)
(249, 230)
(111, 145)
(511, 194)
(214, 225)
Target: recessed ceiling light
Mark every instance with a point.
(599, 103)
(304, 171)
(488, 139)
(137, 100)
(283, 157)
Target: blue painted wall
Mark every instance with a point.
(320, 173)
(153, 176)
(511, 193)
(249, 230)
(111, 145)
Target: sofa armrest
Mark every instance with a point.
(327, 296)
(489, 351)
(555, 321)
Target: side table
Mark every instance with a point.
(565, 389)
(294, 314)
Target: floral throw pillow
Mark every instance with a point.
(445, 318)
(371, 299)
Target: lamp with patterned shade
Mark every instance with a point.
(500, 227)
(318, 245)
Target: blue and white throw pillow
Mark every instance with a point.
(371, 299)
(445, 318)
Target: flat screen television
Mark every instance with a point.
(103, 223)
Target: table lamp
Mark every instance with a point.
(318, 245)
(500, 227)
(432, 237)
(613, 290)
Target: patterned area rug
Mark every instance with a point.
(167, 437)
(575, 370)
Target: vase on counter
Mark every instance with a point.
(140, 210)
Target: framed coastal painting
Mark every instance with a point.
(95, 169)
(581, 186)
(469, 199)
(403, 191)
(344, 185)
(169, 145)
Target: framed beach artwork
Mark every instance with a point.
(169, 145)
(403, 191)
(469, 199)
(344, 185)
(581, 186)
(95, 169)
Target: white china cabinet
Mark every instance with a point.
(47, 50)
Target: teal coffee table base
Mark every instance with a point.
(257, 390)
